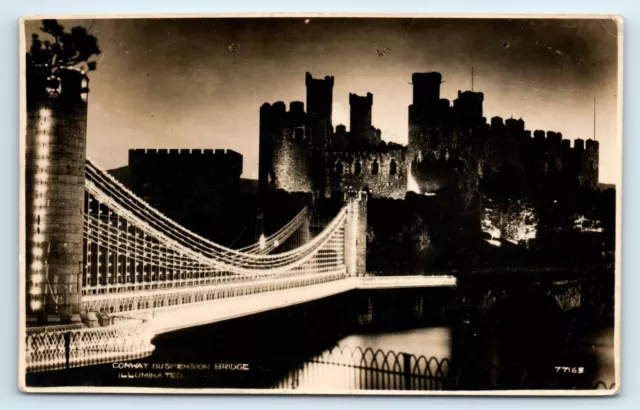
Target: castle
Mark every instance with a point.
(301, 152)
(449, 144)
(444, 137)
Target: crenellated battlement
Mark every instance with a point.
(185, 152)
(359, 99)
(552, 139)
(504, 143)
(328, 80)
(186, 160)
(279, 107)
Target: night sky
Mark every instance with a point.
(199, 83)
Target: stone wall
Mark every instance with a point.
(380, 172)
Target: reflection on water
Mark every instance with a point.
(377, 362)
(600, 346)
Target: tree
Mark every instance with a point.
(68, 50)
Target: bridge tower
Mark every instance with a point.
(355, 241)
(55, 154)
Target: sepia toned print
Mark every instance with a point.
(321, 204)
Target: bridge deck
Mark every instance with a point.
(208, 312)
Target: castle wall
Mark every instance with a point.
(501, 148)
(292, 163)
(369, 170)
(548, 155)
(437, 128)
(191, 186)
(55, 186)
(161, 169)
(448, 144)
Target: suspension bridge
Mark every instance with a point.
(143, 274)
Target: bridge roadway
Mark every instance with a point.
(131, 333)
(208, 312)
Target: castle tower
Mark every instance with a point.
(319, 127)
(320, 108)
(297, 114)
(285, 149)
(55, 194)
(426, 89)
(592, 163)
(468, 109)
(320, 96)
(360, 119)
(266, 141)
(425, 111)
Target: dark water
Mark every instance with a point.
(388, 339)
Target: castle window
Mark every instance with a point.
(358, 168)
(298, 134)
(393, 167)
(375, 168)
(339, 168)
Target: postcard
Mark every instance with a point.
(321, 204)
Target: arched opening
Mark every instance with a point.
(393, 167)
(339, 168)
(358, 168)
(375, 167)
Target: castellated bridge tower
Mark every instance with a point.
(355, 244)
(55, 195)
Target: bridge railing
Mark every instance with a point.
(165, 300)
(59, 347)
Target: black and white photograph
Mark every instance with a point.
(321, 204)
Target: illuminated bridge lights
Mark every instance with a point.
(39, 203)
(158, 267)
